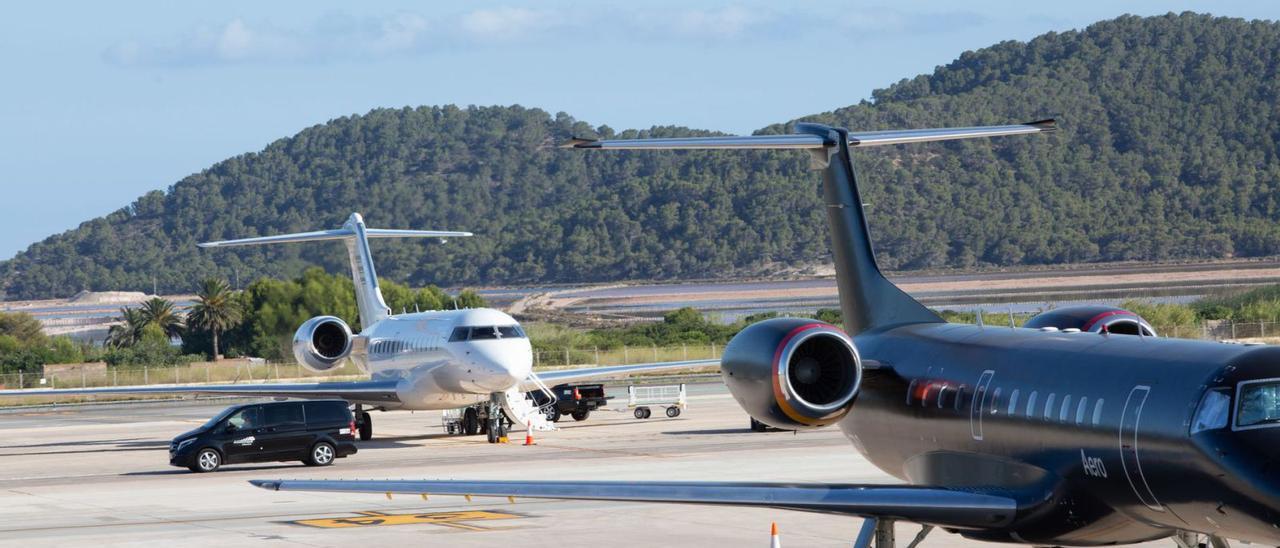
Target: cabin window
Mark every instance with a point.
(1013, 402)
(1031, 404)
(1048, 406)
(1080, 409)
(995, 401)
(1212, 413)
(911, 391)
(942, 395)
(1097, 412)
(960, 396)
(1066, 408)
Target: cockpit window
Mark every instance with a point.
(483, 333)
(1259, 404)
(1212, 414)
(486, 332)
(511, 332)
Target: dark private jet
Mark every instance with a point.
(1083, 428)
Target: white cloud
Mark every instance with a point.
(334, 37)
(505, 23)
(727, 22)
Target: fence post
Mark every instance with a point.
(1262, 326)
(597, 349)
(145, 378)
(1233, 330)
(655, 352)
(713, 351)
(685, 347)
(625, 358)
(20, 385)
(566, 355)
(115, 377)
(177, 375)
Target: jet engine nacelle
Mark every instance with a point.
(321, 343)
(1092, 319)
(793, 373)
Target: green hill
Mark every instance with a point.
(1168, 151)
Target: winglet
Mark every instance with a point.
(1048, 124)
(266, 484)
(580, 142)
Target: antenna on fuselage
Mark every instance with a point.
(373, 308)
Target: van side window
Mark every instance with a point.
(323, 412)
(245, 419)
(282, 413)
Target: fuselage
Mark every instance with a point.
(446, 359)
(1092, 432)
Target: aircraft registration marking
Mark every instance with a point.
(376, 519)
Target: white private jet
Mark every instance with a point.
(446, 359)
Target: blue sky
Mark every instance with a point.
(103, 101)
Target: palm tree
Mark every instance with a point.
(160, 313)
(128, 331)
(216, 310)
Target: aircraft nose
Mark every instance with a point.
(506, 364)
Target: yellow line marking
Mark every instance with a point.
(374, 519)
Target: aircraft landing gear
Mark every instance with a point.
(497, 423)
(364, 423)
(878, 533)
(470, 422)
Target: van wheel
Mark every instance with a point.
(207, 460)
(553, 414)
(581, 415)
(322, 454)
(365, 426)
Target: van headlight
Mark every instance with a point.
(184, 443)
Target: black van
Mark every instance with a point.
(314, 432)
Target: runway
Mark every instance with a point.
(100, 476)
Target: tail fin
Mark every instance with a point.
(368, 295)
(868, 300)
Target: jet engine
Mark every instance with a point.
(793, 373)
(321, 343)
(1092, 319)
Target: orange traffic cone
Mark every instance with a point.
(774, 540)
(528, 434)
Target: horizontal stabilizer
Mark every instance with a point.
(814, 141)
(338, 234)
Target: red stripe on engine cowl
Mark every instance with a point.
(1094, 320)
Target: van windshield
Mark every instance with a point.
(220, 416)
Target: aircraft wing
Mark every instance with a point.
(370, 392)
(568, 375)
(919, 504)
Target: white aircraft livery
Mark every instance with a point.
(445, 359)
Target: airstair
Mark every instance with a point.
(522, 410)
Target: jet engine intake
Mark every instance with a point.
(793, 373)
(322, 342)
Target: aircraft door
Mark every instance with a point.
(1130, 458)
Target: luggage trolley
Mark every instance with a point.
(671, 397)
